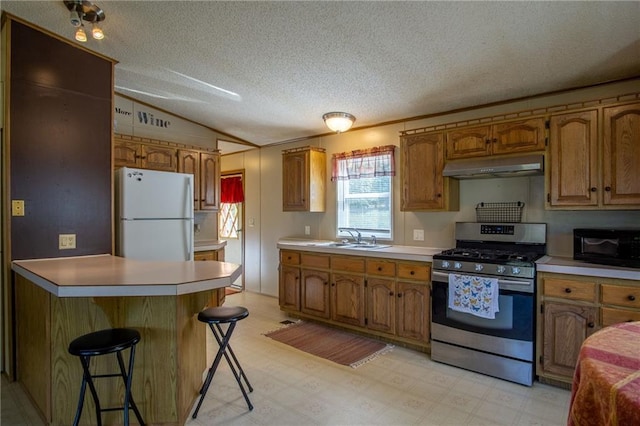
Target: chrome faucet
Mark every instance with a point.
(357, 237)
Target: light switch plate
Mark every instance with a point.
(66, 241)
(418, 235)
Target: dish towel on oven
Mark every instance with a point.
(474, 295)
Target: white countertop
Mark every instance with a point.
(567, 265)
(423, 254)
(106, 275)
(204, 245)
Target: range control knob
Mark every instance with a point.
(479, 267)
(457, 265)
(515, 270)
(445, 264)
(500, 269)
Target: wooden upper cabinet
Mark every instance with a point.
(304, 175)
(205, 168)
(621, 155)
(467, 143)
(573, 159)
(133, 154)
(423, 186)
(503, 138)
(189, 162)
(209, 181)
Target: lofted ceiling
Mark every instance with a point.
(265, 72)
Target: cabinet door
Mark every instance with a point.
(381, 305)
(209, 181)
(295, 181)
(422, 164)
(189, 162)
(315, 293)
(467, 143)
(565, 328)
(573, 158)
(347, 299)
(621, 155)
(412, 305)
(158, 158)
(289, 288)
(125, 154)
(518, 136)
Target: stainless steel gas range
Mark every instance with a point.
(483, 299)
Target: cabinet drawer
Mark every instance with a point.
(205, 255)
(414, 271)
(315, 260)
(289, 257)
(568, 289)
(621, 295)
(615, 316)
(381, 267)
(349, 264)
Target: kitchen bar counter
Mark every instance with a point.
(566, 265)
(420, 254)
(205, 245)
(58, 300)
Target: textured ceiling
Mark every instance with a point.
(265, 72)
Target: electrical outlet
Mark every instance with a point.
(418, 235)
(66, 241)
(307, 230)
(17, 207)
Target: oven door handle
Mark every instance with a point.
(444, 277)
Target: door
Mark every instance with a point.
(231, 221)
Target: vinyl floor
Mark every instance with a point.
(401, 387)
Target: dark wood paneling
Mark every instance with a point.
(60, 146)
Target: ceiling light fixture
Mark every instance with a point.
(338, 121)
(84, 10)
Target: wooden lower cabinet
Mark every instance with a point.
(347, 298)
(565, 328)
(315, 293)
(381, 305)
(572, 307)
(412, 304)
(383, 297)
(289, 287)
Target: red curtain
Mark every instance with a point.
(231, 190)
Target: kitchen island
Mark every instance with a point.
(60, 299)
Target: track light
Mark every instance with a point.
(81, 11)
(81, 36)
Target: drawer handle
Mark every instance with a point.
(567, 290)
(591, 325)
(379, 268)
(390, 293)
(412, 273)
(632, 297)
(289, 258)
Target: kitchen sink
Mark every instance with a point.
(368, 246)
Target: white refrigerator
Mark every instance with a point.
(154, 214)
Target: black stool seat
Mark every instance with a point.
(223, 314)
(214, 317)
(104, 342)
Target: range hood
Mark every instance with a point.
(477, 168)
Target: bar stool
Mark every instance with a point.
(104, 342)
(215, 317)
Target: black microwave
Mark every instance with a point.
(619, 247)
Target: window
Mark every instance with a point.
(364, 191)
(228, 226)
(231, 194)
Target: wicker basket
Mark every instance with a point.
(499, 212)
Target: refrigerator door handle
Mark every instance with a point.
(189, 196)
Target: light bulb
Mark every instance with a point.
(81, 36)
(96, 32)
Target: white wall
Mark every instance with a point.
(264, 193)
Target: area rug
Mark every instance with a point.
(329, 343)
